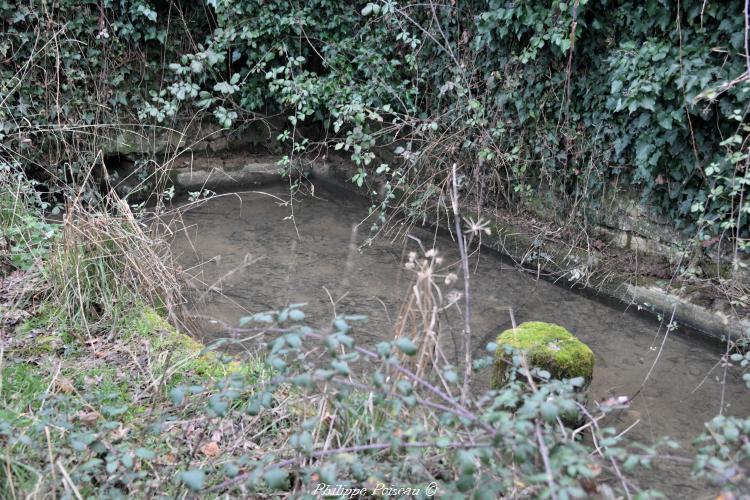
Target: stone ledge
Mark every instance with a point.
(556, 262)
(193, 174)
(714, 323)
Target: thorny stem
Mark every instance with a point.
(467, 289)
(545, 458)
(460, 409)
(455, 410)
(595, 427)
(453, 406)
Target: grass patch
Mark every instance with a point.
(101, 396)
(106, 408)
(92, 370)
(22, 388)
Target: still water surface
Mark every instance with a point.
(255, 257)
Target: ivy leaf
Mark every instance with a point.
(218, 405)
(647, 103)
(253, 407)
(114, 411)
(443, 442)
(231, 470)
(466, 462)
(341, 367)
(548, 411)
(450, 376)
(296, 315)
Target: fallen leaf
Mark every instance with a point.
(210, 449)
(726, 495)
(120, 433)
(64, 385)
(87, 417)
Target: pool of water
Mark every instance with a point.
(253, 252)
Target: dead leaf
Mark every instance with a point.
(120, 433)
(87, 418)
(210, 449)
(64, 385)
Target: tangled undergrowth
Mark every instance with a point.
(101, 398)
(99, 402)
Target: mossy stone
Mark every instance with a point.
(548, 347)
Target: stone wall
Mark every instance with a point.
(206, 157)
(637, 242)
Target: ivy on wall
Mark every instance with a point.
(567, 97)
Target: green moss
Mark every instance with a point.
(188, 357)
(548, 347)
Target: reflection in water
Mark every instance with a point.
(254, 259)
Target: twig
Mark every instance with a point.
(2, 352)
(51, 459)
(545, 458)
(49, 387)
(467, 289)
(656, 360)
(69, 481)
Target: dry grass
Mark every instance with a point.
(103, 261)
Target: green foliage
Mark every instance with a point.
(526, 97)
(105, 417)
(146, 410)
(26, 235)
(74, 76)
(642, 94)
(724, 453)
(525, 101)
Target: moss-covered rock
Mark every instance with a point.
(548, 347)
